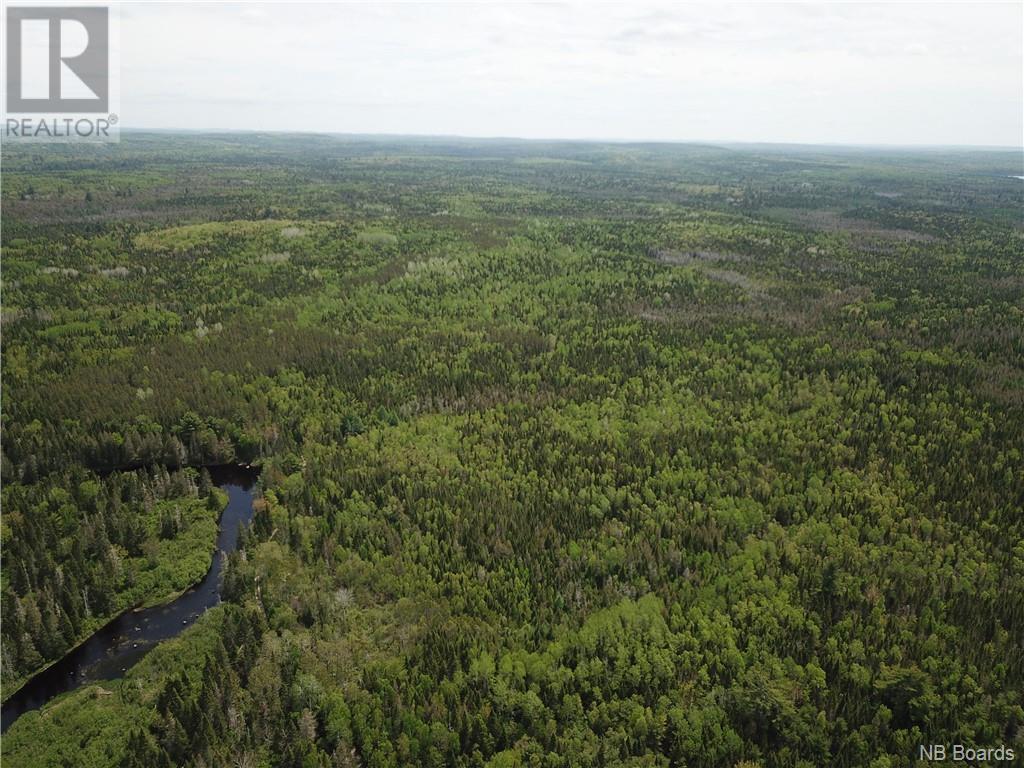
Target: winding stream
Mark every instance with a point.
(111, 650)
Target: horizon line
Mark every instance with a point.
(575, 140)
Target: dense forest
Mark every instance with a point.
(571, 454)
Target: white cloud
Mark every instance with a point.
(854, 73)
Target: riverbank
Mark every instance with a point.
(126, 638)
(176, 559)
(102, 714)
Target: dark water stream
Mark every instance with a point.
(110, 651)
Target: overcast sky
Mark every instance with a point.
(922, 73)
